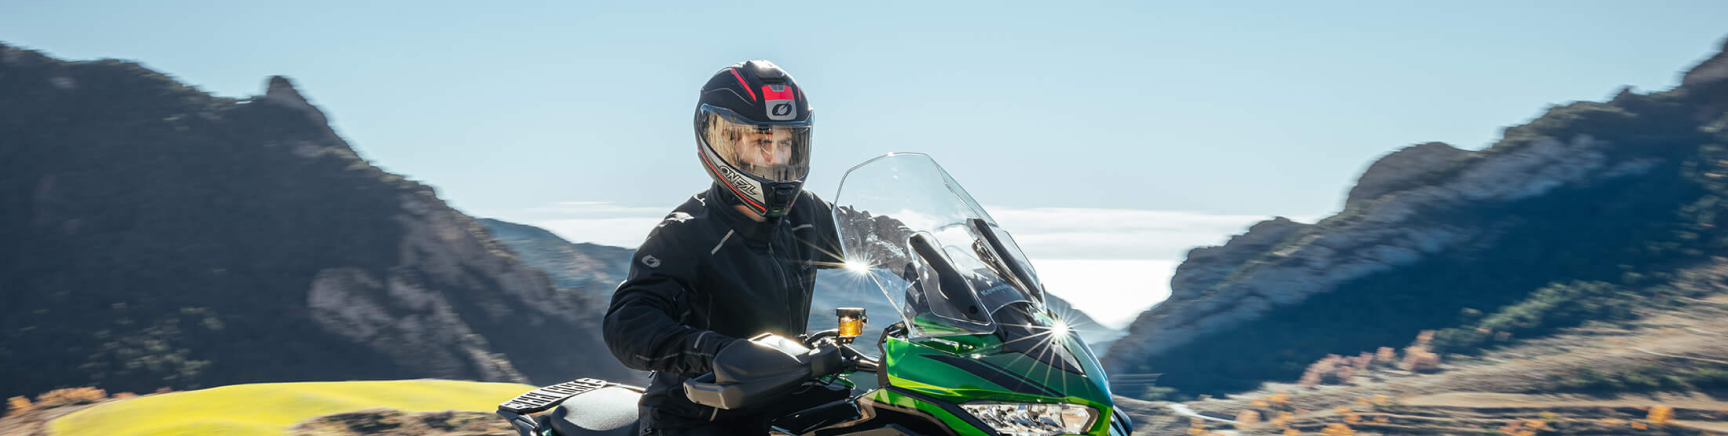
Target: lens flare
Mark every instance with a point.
(1059, 328)
(857, 267)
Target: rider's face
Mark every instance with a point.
(765, 149)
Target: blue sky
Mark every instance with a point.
(1226, 112)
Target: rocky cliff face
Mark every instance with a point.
(1433, 201)
(592, 270)
(154, 235)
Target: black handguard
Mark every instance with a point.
(761, 369)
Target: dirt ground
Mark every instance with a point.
(1502, 391)
(390, 422)
(35, 422)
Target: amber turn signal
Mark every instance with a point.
(852, 321)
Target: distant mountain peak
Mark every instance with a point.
(1713, 69)
(1391, 172)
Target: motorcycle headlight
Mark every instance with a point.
(1033, 419)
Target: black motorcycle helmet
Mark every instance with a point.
(753, 135)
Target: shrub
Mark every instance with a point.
(70, 396)
(1660, 415)
(16, 405)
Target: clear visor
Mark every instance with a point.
(777, 152)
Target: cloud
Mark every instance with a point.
(1085, 233)
(625, 232)
(592, 221)
(1045, 233)
(1112, 292)
(1110, 263)
(594, 209)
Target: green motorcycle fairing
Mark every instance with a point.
(976, 329)
(959, 369)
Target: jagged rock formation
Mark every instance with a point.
(154, 235)
(1711, 70)
(1615, 174)
(1402, 166)
(1207, 266)
(593, 270)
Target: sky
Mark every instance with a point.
(1109, 136)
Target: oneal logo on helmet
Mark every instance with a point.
(742, 183)
(779, 99)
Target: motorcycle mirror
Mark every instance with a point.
(852, 321)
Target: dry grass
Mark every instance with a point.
(1507, 391)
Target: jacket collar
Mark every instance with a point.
(755, 234)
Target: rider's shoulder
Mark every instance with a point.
(685, 221)
(809, 199)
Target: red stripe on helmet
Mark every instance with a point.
(759, 207)
(741, 82)
(785, 93)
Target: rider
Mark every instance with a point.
(735, 260)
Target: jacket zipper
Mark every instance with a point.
(785, 291)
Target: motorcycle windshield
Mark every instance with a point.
(907, 228)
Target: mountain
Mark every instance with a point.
(592, 270)
(1593, 212)
(596, 270)
(153, 235)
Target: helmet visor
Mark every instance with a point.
(777, 152)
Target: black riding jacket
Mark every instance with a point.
(708, 275)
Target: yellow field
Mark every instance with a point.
(270, 408)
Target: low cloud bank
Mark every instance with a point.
(1110, 263)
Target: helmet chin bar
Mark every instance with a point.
(779, 197)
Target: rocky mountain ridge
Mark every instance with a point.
(1433, 201)
(153, 235)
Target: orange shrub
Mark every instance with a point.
(1660, 415)
(17, 405)
(70, 396)
(1279, 398)
(1248, 417)
(1338, 430)
(1386, 355)
(1512, 427)
(1334, 369)
(1421, 361)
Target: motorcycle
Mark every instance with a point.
(975, 352)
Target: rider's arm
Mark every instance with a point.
(642, 327)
